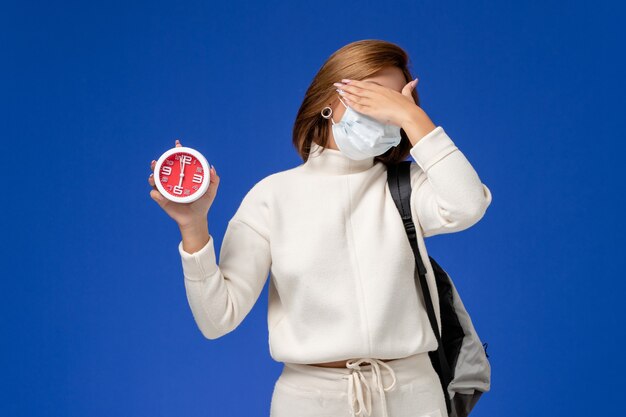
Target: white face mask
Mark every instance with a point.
(359, 136)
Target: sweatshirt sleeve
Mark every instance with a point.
(220, 296)
(447, 194)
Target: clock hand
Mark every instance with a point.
(182, 172)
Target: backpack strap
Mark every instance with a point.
(399, 182)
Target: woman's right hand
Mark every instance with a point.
(186, 214)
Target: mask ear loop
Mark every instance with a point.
(344, 104)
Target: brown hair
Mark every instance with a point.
(356, 61)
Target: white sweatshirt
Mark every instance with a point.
(342, 272)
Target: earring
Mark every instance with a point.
(327, 110)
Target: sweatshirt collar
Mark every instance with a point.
(333, 161)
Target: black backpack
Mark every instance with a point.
(460, 359)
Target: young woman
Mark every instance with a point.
(344, 313)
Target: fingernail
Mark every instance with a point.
(152, 174)
(345, 80)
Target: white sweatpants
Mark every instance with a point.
(405, 387)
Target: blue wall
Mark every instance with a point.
(94, 317)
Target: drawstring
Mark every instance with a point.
(355, 379)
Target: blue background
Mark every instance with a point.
(93, 313)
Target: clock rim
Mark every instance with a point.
(205, 166)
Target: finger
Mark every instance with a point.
(365, 101)
(213, 184)
(357, 90)
(409, 87)
(368, 88)
(364, 85)
(152, 164)
(358, 107)
(214, 177)
(151, 181)
(178, 143)
(158, 197)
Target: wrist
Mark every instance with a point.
(416, 124)
(194, 224)
(194, 235)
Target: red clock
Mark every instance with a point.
(182, 174)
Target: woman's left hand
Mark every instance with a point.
(382, 103)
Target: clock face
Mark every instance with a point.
(182, 174)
